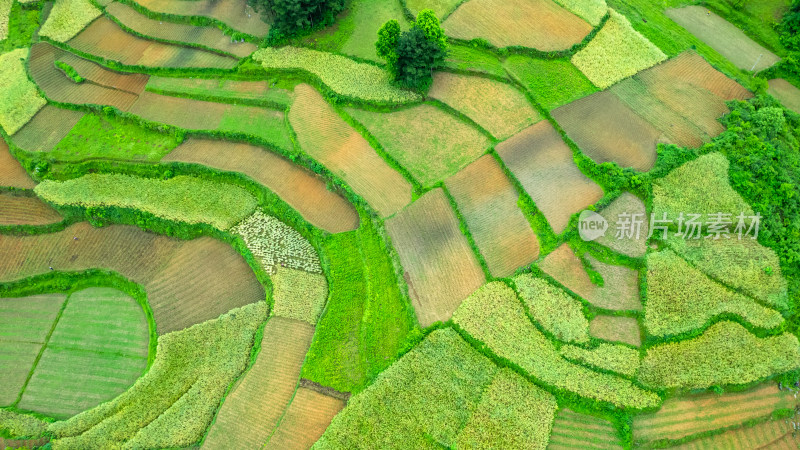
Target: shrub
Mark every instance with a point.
(725, 354)
(68, 18)
(614, 357)
(69, 71)
(291, 17)
(21, 100)
(591, 11)
(299, 295)
(553, 308)
(20, 425)
(182, 198)
(276, 244)
(616, 52)
(175, 401)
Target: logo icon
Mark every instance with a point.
(591, 225)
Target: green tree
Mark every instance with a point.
(416, 58)
(386, 46)
(429, 24)
(790, 27)
(291, 17)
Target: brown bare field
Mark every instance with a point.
(180, 112)
(253, 409)
(301, 189)
(724, 37)
(768, 434)
(11, 172)
(620, 289)
(543, 164)
(46, 129)
(24, 210)
(59, 87)
(439, 265)
(630, 204)
(187, 282)
(327, 138)
(573, 430)
(616, 329)
(488, 202)
(497, 107)
(306, 419)
(106, 39)
(606, 129)
(97, 74)
(539, 24)
(235, 13)
(210, 37)
(229, 89)
(692, 414)
(786, 93)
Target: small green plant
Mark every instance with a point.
(70, 72)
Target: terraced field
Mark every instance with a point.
(24, 210)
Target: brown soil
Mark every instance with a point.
(47, 128)
(573, 430)
(230, 12)
(11, 172)
(180, 112)
(616, 329)
(770, 434)
(24, 210)
(306, 419)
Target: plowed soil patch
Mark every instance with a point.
(47, 128)
(235, 13)
(97, 74)
(543, 164)
(572, 430)
(306, 419)
(24, 210)
(772, 434)
(616, 329)
(301, 189)
(11, 172)
(440, 268)
(488, 202)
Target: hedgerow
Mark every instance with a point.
(343, 75)
(614, 357)
(726, 354)
(299, 295)
(276, 244)
(494, 316)
(182, 198)
(680, 298)
(616, 52)
(68, 18)
(20, 425)
(21, 99)
(591, 11)
(69, 71)
(553, 308)
(174, 402)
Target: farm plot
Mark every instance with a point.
(299, 295)
(97, 349)
(616, 329)
(106, 39)
(175, 401)
(133, 83)
(442, 378)
(234, 13)
(552, 82)
(620, 290)
(497, 107)
(190, 114)
(488, 202)
(697, 413)
(572, 430)
(11, 172)
(47, 128)
(440, 268)
(591, 11)
(725, 354)
(187, 282)
(229, 90)
(209, 37)
(301, 189)
(251, 412)
(442, 8)
(553, 309)
(626, 206)
(21, 100)
(415, 138)
(764, 435)
(539, 24)
(606, 129)
(616, 52)
(306, 419)
(464, 57)
(612, 357)
(68, 18)
(543, 164)
(25, 210)
(786, 92)
(494, 316)
(26, 323)
(327, 138)
(367, 17)
(276, 244)
(60, 88)
(5, 10)
(723, 37)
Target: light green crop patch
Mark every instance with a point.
(182, 198)
(614, 357)
(68, 18)
(5, 10)
(21, 425)
(21, 100)
(591, 11)
(553, 308)
(299, 295)
(276, 244)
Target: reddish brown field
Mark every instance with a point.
(46, 129)
(187, 282)
(327, 138)
(133, 83)
(230, 12)
(573, 430)
(488, 202)
(620, 290)
(539, 24)
(180, 112)
(106, 39)
(306, 419)
(24, 210)
(692, 414)
(606, 129)
(11, 172)
(301, 189)
(254, 408)
(616, 329)
(439, 265)
(773, 435)
(543, 164)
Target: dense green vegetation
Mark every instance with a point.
(292, 17)
(551, 82)
(412, 55)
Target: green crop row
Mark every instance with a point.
(68, 18)
(299, 295)
(612, 357)
(591, 11)
(277, 244)
(554, 309)
(21, 99)
(17, 425)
